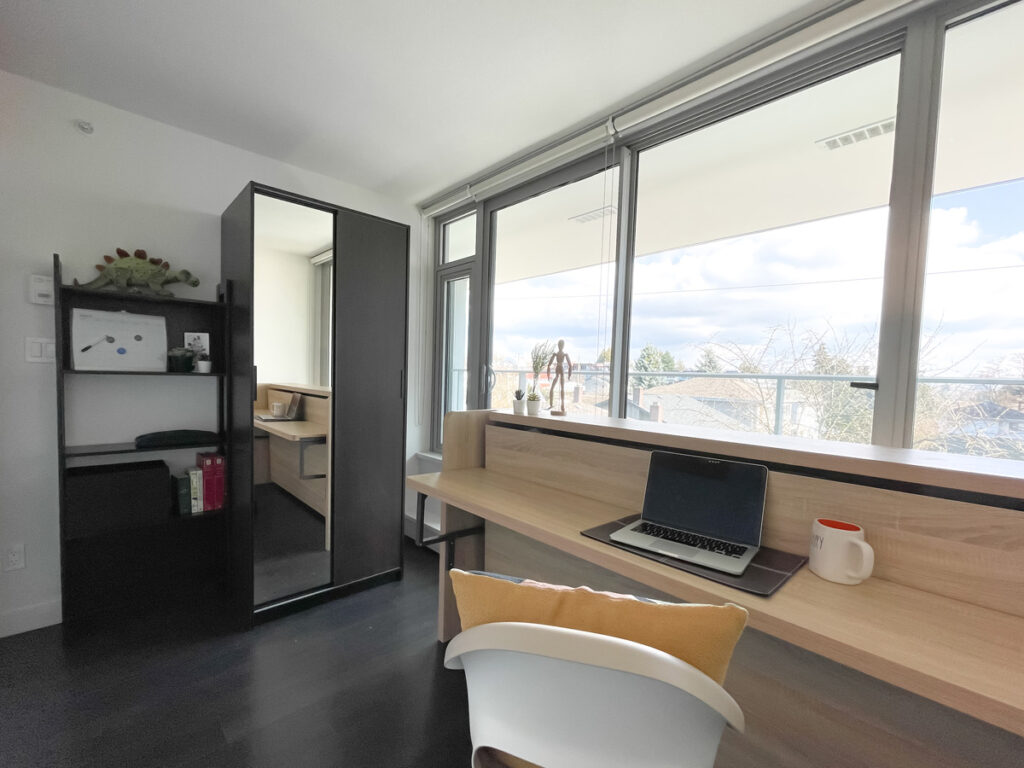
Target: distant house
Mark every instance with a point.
(985, 429)
(745, 405)
(990, 419)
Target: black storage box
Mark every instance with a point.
(115, 497)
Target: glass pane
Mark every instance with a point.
(458, 239)
(555, 280)
(456, 346)
(970, 396)
(760, 245)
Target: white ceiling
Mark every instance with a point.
(404, 98)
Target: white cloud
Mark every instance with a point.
(818, 278)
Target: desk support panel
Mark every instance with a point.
(302, 459)
(444, 538)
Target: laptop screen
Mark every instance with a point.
(714, 497)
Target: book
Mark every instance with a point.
(183, 494)
(206, 465)
(212, 465)
(196, 489)
(220, 464)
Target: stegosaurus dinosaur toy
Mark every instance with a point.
(133, 274)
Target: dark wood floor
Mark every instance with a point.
(288, 545)
(356, 682)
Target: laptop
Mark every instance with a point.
(704, 511)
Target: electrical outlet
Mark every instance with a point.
(14, 557)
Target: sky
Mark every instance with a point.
(796, 285)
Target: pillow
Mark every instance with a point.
(701, 635)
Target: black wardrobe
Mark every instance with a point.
(368, 399)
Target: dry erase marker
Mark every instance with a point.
(108, 339)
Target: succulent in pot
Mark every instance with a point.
(533, 403)
(519, 402)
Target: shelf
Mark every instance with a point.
(143, 297)
(107, 449)
(192, 374)
(172, 519)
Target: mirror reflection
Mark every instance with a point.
(293, 250)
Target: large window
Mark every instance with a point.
(554, 271)
(970, 396)
(767, 271)
(760, 247)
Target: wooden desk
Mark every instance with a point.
(294, 445)
(293, 431)
(967, 656)
(964, 656)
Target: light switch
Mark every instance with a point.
(39, 350)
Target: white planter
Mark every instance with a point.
(533, 407)
(519, 407)
(203, 366)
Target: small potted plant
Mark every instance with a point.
(519, 402)
(533, 403)
(203, 364)
(180, 360)
(539, 356)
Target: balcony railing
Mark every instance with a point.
(773, 392)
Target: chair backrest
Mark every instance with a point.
(561, 697)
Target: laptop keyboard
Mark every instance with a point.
(691, 539)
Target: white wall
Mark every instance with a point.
(134, 183)
(282, 293)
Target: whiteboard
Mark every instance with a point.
(117, 341)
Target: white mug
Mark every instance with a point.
(277, 409)
(839, 552)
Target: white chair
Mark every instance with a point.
(562, 698)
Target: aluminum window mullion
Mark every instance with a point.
(907, 238)
(622, 306)
(481, 301)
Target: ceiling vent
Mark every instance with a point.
(594, 215)
(857, 135)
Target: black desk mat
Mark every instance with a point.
(768, 571)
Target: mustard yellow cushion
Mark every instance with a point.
(701, 635)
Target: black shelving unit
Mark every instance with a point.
(115, 562)
(109, 449)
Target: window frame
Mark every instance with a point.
(598, 162)
(444, 272)
(918, 37)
